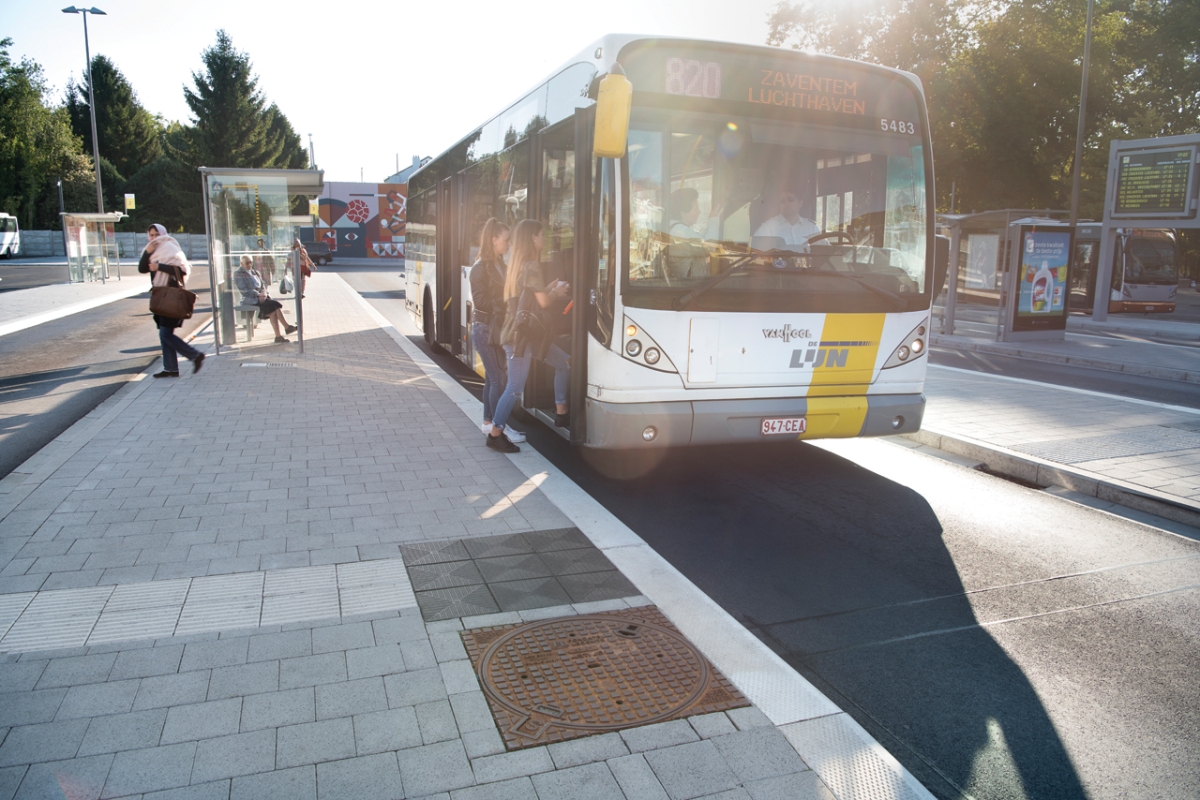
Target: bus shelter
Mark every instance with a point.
(251, 217)
(91, 245)
(981, 248)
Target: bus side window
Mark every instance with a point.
(601, 320)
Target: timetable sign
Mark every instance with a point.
(1154, 183)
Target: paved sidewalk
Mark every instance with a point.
(25, 308)
(209, 588)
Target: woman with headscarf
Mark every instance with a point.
(168, 266)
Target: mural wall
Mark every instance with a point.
(363, 220)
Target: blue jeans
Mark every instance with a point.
(172, 344)
(518, 371)
(494, 374)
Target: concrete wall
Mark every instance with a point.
(42, 244)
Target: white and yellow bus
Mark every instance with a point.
(789, 300)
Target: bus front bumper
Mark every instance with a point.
(619, 426)
(1141, 307)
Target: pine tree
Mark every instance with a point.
(130, 138)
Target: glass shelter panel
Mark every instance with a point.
(92, 253)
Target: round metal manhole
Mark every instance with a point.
(575, 676)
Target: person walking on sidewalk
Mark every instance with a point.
(527, 294)
(487, 318)
(254, 293)
(164, 260)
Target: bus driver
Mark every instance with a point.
(788, 224)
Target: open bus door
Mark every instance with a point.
(446, 311)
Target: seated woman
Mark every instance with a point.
(254, 293)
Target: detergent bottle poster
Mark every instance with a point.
(1043, 280)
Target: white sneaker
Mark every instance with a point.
(514, 435)
(486, 427)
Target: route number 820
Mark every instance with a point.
(896, 126)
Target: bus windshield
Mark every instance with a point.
(8, 224)
(1151, 260)
(710, 193)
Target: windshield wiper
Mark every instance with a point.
(901, 303)
(683, 301)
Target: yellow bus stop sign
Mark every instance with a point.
(130, 204)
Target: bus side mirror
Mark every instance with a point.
(941, 263)
(613, 103)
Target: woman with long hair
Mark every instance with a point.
(487, 317)
(525, 274)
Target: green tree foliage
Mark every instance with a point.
(1002, 83)
(234, 126)
(130, 138)
(36, 147)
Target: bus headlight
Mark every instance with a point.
(643, 350)
(633, 347)
(910, 347)
(631, 331)
(652, 355)
(649, 433)
(917, 345)
(902, 353)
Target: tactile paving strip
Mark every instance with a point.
(558, 679)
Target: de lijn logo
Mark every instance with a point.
(830, 355)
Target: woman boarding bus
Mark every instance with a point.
(734, 332)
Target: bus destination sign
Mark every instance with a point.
(1154, 183)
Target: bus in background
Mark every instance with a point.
(1145, 274)
(10, 236)
(757, 264)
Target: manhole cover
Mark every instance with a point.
(558, 679)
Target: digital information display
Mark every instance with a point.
(1154, 183)
(1042, 280)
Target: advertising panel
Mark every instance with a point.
(1043, 279)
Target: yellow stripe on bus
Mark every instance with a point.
(850, 344)
(834, 417)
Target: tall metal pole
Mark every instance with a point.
(1079, 132)
(87, 49)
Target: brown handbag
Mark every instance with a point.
(172, 302)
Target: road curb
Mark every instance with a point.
(1016, 351)
(1044, 473)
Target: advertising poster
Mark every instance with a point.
(982, 252)
(1042, 282)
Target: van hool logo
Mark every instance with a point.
(787, 333)
(828, 354)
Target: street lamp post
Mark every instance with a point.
(1080, 129)
(91, 96)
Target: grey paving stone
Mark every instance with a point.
(219, 653)
(380, 731)
(436, 721)
(691, 770)
(351, 697)
(636, 778)
(10, 779)
(482, 743)
(440, 767)
(202, 720)
(394, 630)
(374, 776)
(239, 681)
(21, 676)
(82, 777)
(505, 766)
(759, 753)
(415, 687)
(147, 663)
(460, 601)
(77, 671)
(231, 756)
(707, 726)
(557, 539)
(471, 712)
(419, 553)
(216, 790)
(312, 670)
(515, 789)
(733, 794)
(275, 646)
(587, 750)
(47, 741)
(748, 717)
(495, 546)
(459, 677)
(417, 655)
(532, 593)
(342, 637)
(448, 646)
(95, 699)
(441, 626)
(802, 786)
(588, 782)
(172, 690)
(447, 575)
(134, 731)
(664, 734)
(274, 709)
(27, 708)
(313, 742)
(137, 771)
(297, 783)
(367, 662)
(589, 586)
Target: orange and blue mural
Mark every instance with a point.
(363, 220)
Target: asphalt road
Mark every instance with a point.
(54, 374)
(999, 641)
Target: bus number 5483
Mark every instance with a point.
(896, 126)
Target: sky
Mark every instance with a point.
(351, 73)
